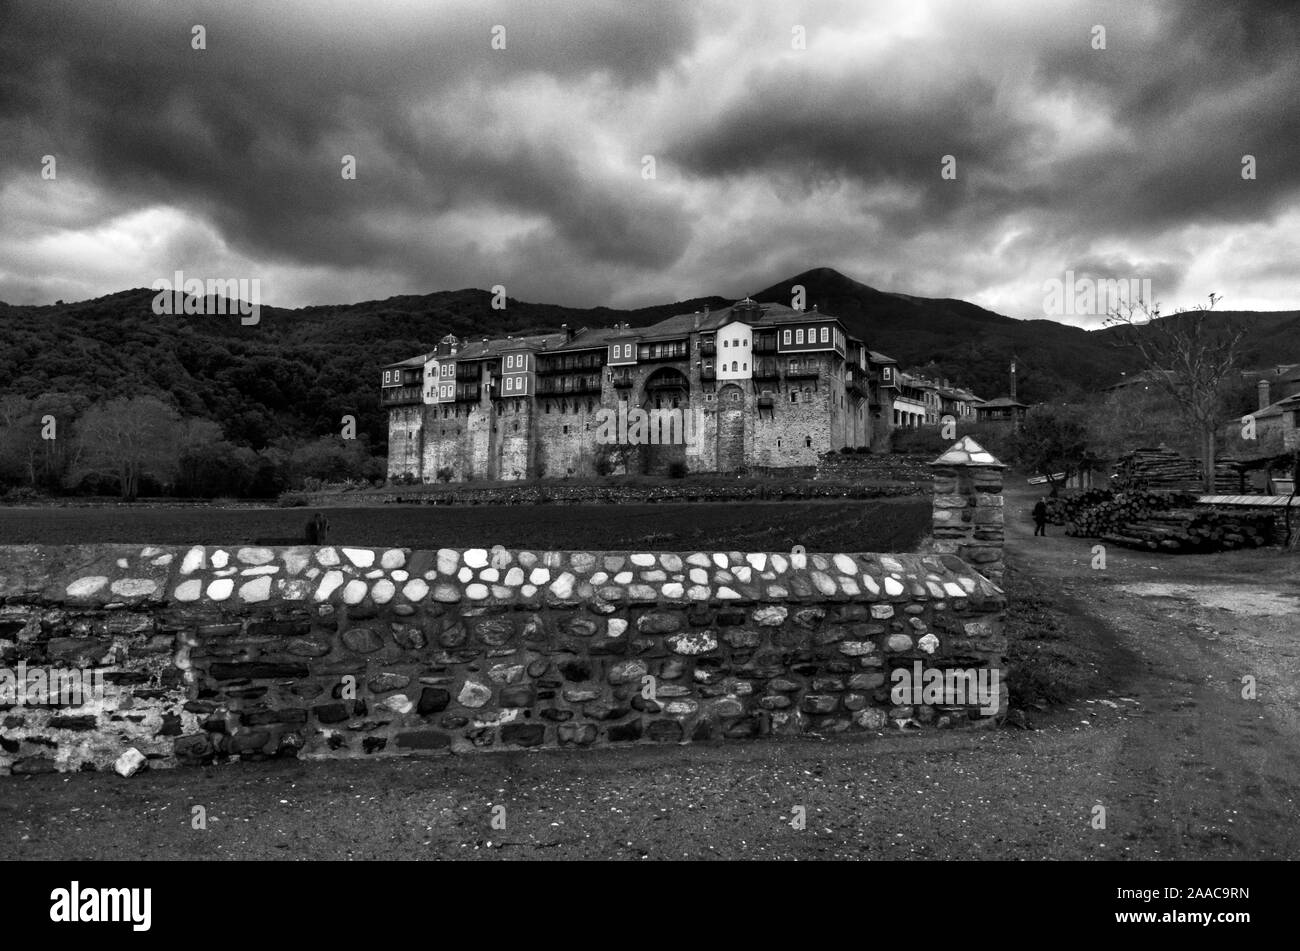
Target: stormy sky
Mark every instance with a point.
(525, 166)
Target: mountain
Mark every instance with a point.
(298, 372)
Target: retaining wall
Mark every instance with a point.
(208, 653)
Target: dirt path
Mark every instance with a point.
(1196, 769)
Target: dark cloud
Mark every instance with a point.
(522, 166)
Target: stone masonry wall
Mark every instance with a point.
(213, 653)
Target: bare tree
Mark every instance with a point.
(1191, 357)
(128, 439)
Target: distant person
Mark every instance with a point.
(318, 530)
(1040, 518)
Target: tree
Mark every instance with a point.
(128, 439)
(1191, 357)
(1051, 440)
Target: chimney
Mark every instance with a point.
(568, 333)
(1262, 388)
(1013, 378)
(696, 315)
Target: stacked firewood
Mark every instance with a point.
(1165, 469)
(1120, 509)
(1194, 530)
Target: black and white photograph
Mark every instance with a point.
(719, 431)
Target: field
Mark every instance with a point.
(875, 525)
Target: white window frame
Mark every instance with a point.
(787, 338)
(798, 336)
(826, 335)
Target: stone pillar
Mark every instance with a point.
(967, 509)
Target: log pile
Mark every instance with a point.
(1165, 469)
(1111, 512)
(1062, 509)
(1194, 530)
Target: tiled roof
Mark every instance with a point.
(1002, 401)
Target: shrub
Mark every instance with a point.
(444, 474)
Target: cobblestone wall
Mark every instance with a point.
(209, 653)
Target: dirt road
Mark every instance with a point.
(1183, 766)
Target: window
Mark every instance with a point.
(794, 396)
(510, 363)
(826, 335)
(726, 343)
(794, 367)
(798, 335)
(786, 338)
(510, 383)
(733, 366)
(745, 342)
(888, 373)
(745, 367)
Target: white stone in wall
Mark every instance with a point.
(671, 561)
(84, 587)
(698, 558)
(123, 563)
(953, 590)
(162, 561)
(263, 570)
(673, 589)
(539, 576)
(415, 590)
(220, 589)
(615, 627)
(780, 564)
(757, 561)
(500, 558)
(823, 583)
(882, 612)
(489, 574)
(562, 587)
(476, 557)
(194, 559)
(361, 557)
(502, 592)
(742, 574)
(446, 593)
(642, 559)
(846, 565)
(720, 559)
(354, 592)
(293, 589)
(623, 577)
(133, 587)
(259, 589)
(528, 590)
(515, 577)
(928, 643)
(383, 591)
(776, 591)
(377, 573)
(329, 584)
(465, 574)
(892, 587)
(869, 583)
(849, 586)
(401, 574)
(448, 561)
(393, 558)
(891, 564)
(699, 576)
(149, 551)
(188, 590)
(327, 557)
(476, 592)
(220, 558)
(295, 560)
(698, 592)
(255, 556)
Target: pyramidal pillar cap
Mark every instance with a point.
(967, 452)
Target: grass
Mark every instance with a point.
(840, 525)
(1049, 662)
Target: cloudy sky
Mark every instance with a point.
(525, 166)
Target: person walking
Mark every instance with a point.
(1040, 518)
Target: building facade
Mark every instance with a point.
(752, 385)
